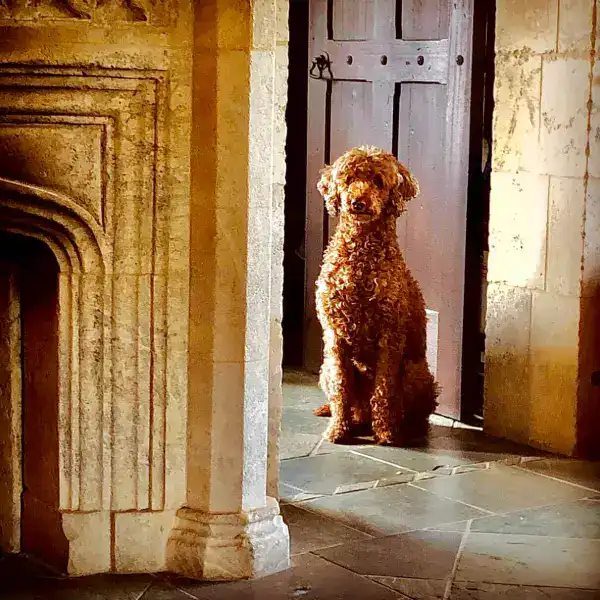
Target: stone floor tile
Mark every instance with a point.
(585, 473)
(502, 489)
(302, 393)
(475, 441)
(298, 377)
(494, 591)
(302, 420)
(162, 590)
(580, 519)
(428, 459)
(415, 589)
(298, 445)
(311, 579)
(530, 560)
(95, 587)
(323, 474)
(423, 554)
(19, 566)
(456, 526)
(289, 494)
(392, 510)
(311, 531)
(356, 444)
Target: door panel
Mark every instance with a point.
(425, 19)
(399, 78)
(352, 19)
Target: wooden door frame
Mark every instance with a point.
(477, 193)
(478, 209)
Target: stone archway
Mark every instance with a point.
(56, 291)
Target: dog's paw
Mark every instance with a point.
(322, 411)
(388, 439)
(338, 435)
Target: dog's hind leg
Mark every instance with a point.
(420, 393)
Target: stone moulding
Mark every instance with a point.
(227, 546)
(85, 169)
(25, 10)
(79, 246)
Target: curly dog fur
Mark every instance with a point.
(374, 373)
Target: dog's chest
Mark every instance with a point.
(362, 296)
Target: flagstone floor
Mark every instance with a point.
(465, 517)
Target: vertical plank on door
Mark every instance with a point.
(425, 19)
(352, 19)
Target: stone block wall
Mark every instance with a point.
(543, 293)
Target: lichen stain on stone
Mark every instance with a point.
(518, 82)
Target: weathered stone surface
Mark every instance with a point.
(565, 222)
(89, 542)
(553, 355)
(517, 110)
(507, 365)
(518, 215)
(141, 541)
(225, 546)
(530, 24)
(131, 10)
(594, 132)
(564, 117)
(575, 25)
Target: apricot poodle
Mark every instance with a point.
(375, 373)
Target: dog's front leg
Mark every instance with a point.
(386, 405)
(337, 382)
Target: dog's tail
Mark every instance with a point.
(323, 411)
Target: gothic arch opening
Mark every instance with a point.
(29, 280)
(50, 259)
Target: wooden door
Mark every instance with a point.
(399, 78)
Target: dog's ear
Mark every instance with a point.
(404, 189)
(329, 191)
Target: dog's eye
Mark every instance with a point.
(378, 181)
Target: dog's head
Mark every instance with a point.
(367, 183)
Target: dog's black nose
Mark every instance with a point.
(358, 206)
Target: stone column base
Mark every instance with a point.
(226, 546)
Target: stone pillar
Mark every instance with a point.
(544, 290)
(230, 528)
(277, 232)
